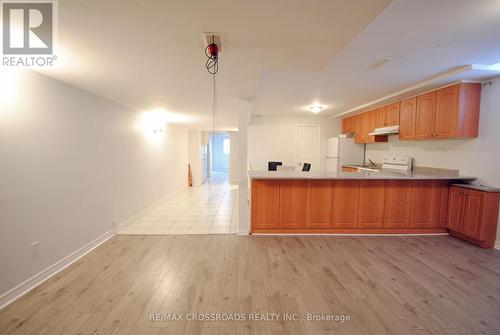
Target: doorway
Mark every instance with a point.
(308, 145)
(221, 150)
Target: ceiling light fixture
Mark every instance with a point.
(316, 108)
(495, 67)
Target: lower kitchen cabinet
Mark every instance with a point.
(472, 215)
(292, 203)
(319, 203)
(345, 203)
(423, 207)
(371, 204)
(456, 205)
(365, 206)
(265, 203)
(362, 206)
(398, 196)
(441, 193)
(418, 204)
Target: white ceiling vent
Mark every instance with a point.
(381, 62)
(209, 38)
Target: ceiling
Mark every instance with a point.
(281, 54)
(426, 39)
(150, 54)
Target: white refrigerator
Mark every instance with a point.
(343, 151)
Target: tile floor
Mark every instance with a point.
(211, 208)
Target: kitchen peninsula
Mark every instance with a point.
(360, 203)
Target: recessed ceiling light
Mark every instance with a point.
(316, 108)
(495, 66)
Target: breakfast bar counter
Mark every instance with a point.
(363, 202)
(421, 174)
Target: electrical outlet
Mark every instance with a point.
(35, 248)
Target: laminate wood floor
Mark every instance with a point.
(387, 285)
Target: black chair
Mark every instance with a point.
(306, 167)
(273, 166)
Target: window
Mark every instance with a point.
(225, 146)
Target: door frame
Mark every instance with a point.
(317, 152)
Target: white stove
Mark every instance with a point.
(398, 163)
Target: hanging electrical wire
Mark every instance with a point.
(214, 103)
(212, 66)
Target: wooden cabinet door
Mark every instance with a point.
(292, 203)
(371, 204)
(319, 204)
(345, 203)
(345, 125)
(455, 208)
(397, 204)
(392, 111)
(265, 203)
(472, 224)
(407, 115)
(425, 116)
(359, 121)
(441, 207)
(381, 117)
(369, 126)
(348, 125)
(423, 204)
(447, 100)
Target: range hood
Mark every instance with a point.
(385, 131)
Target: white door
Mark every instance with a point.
(308, 147)
(204, 162)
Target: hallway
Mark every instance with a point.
(210, 208)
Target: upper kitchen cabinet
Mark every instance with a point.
(425, 116)
(381, 117)
(457, 111)
(449, 112)
(365, 124)
(349, 125)
(387, 115)
(407, 112)
(393, 111)
(369, 126)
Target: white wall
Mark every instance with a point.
(71, 163)
(274, 138)
(243, 193)
(479, 157)
(194, 156)
(233, 157)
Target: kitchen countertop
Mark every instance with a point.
(414, 175)
(476, 187)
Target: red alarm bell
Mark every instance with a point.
(213, 50)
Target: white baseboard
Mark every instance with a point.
(26, 286)
(122, 225)
(497, 245)
(244, 232)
